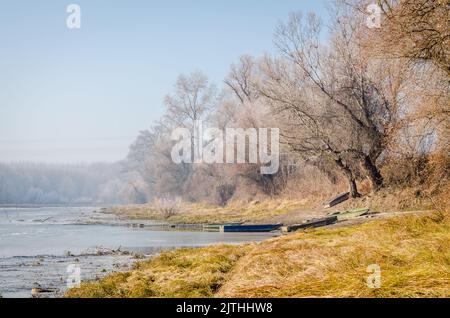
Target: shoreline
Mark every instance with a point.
(247, 270)
(196, 214)
(98, 259)
(214, 265)
(193, 216)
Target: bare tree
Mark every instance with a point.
(418, 30)
(241, 79)
(336, 98)
(307, 124)
(194, 99)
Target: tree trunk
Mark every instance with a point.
(374, 173)
(353, 189)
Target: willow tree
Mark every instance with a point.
(343, 105)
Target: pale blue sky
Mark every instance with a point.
(83, 95)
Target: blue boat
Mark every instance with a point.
(250, 228)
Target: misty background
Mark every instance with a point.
(83, 95)
(86, 114)
(72, 101)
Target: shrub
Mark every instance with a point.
(167, 207)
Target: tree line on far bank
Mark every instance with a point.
(34, 183)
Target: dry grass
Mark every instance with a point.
(401, 199)
(412, 251)
(181, 273)
(195, 213)
(287, 210)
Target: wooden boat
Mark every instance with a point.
(311, 224)
(343, 215)
(335, 201)
(250, 228)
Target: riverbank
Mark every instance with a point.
(201, 213)
(277, 210)
(38, 246)
(412, 252)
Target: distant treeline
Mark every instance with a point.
(32, 183)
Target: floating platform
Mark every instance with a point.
(216, 227)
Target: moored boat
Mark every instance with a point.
(335, 201)
(250, 228)
(311, 224)
(349, 214)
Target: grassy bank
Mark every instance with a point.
(413, 253)
(180, 273)
(196, 213)
(283, 210)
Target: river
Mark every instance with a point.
(43, 246)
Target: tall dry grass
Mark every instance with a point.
(197, 213)
(180, 273)
(413, 253)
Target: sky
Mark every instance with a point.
(82, 95)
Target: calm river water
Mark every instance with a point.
(41, 246)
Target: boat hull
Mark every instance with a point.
(250, 228)
(311, 224)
